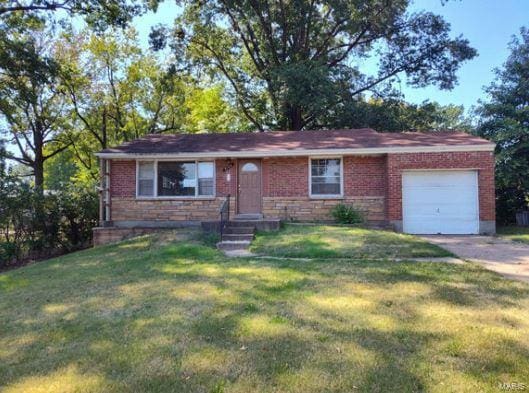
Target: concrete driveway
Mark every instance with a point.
(503, 256)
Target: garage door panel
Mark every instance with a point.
(426, 225)
(464, 227)
(440, 202)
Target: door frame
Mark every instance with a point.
(259, 162)
(476, 172)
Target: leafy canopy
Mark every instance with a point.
(302, 57)
(504, 119)
(97, 13)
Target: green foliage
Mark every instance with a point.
(504, 119)
(31, 108)
(208, 111)
(395, 115)
(60, 170)
(515, 233)
(210, 239)
(97, 13)
(347, 214)
(115, 92)
(301, 58)
(36, 225)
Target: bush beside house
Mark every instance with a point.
(34, 225)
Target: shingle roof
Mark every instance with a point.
(285, 141)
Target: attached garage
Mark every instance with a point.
(440, 202)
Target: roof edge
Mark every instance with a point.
(303, 152)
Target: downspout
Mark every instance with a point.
(104, 193)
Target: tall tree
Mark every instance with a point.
(98, 13)
(396, 115)
(31, 108)
(117, 92)
(504, 119)
(208, 111)
(304, 55)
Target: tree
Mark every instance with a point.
(208, 111)
(97, 13)
(116, 91)
(396, 115)
(504, 119)
(31, 108)
(303, 55)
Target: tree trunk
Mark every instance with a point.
(38, 169)
(38, 163)
(104, 136)
(295, 120)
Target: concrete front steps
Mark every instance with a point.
(239, 233)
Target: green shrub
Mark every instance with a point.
(347, 214)
(36, 225)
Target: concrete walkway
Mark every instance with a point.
(511, 259)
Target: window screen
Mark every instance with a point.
(326, 176)
(146, 178)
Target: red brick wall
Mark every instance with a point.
(282, 177)
(481, 161)
(222, 185)
(364, 176)
(123, 178)
(285, 177)
(289, 176)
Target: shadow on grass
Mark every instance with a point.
(180, 317)
(325, 241)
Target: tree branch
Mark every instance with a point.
(45, 7)
(224, 70)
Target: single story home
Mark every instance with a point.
(420, 183)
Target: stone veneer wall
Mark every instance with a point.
(306, 209)
(104, 235)
(131, 209)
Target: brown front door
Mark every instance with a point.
(249, 186)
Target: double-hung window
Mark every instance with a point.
(145, 185)
(325, 177)
(175, 179)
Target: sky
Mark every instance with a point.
(488, 24)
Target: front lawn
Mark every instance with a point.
(159, 315)
(518, 234)
(328, 241)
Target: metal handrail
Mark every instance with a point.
(224, 214)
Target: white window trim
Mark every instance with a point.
(167, 197)
(326, 196)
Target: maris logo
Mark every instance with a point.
(513, 386)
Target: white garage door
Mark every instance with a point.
(443, 202)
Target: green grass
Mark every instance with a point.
(328, 241)
(158, 315)
(518, 234)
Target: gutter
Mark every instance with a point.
(302, 152)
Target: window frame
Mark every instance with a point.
(138, 163)
(326, 196)
(168, 197)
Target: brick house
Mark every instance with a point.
(438, 182)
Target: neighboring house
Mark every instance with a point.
(422, 183)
